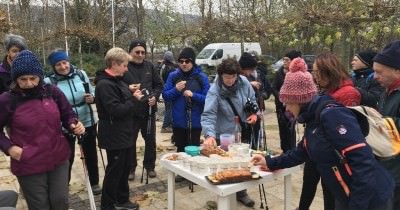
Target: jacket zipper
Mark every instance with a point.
(341, 181)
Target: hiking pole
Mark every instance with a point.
(263, 135)
(148, 134)
(265, 197)
(86, 86)
(189, 113)
(87, 181)
(261, 200)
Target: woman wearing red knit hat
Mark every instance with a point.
(334, 142)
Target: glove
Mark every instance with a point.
(252, 119)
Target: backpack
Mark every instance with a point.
(380, 132)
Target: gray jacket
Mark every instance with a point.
(218, 116)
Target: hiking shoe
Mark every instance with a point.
(246, 200)
(127, 206)
(166, 130)
(131, 175)
(151, 173)
(96, 189)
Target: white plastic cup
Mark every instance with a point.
(226, 140)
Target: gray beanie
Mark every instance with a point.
(14, 40)
(169, 57)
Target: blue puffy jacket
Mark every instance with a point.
(198, 83)
(365, 182)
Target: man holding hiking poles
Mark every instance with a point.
(186, 89)
(143, 75)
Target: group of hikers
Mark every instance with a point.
(45, 115)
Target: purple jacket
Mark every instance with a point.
(5, 77)
(35, 126)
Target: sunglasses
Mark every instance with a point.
(140, 52)
(184, 61)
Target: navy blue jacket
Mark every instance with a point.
(369, 184)
(198, 83)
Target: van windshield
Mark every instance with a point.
(205, 53)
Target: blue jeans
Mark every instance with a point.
(167, 115)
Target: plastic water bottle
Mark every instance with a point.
(238, 131)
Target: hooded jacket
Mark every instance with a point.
(35, 127)
(115, 107)
(147, 75)
(369, 184)
(218, 116)
(368, 87)
(180, 103)
(5, 76)
(72, 87)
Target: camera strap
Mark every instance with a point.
(233, 108)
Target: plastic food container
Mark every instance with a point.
(192, 150)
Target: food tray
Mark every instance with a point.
(254, 176)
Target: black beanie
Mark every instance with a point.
(366, 57)
(137, 42)
(188, 53)
(247, 61)
(293, 54)
(390, 55)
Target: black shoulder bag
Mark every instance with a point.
(246, 130)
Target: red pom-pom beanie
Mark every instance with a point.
(299, 86)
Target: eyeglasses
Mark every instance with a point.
(184, 61)
(140, 52)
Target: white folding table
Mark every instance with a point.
(226, 193)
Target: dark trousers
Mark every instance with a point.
(385, 206)
(46, 191)
(90, 152)
(181, 137)
(396, 199)
(311, 178)
(115, 183)
(167, 122)
(287, 133)
(140, 124)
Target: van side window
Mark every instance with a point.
(218, 54)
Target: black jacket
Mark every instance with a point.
(389, 106)
(276, 87)
(368, 87)
(115, 105)
(147, 75)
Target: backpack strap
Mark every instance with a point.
(233, 108)
(54, 80)
(321, 106)
(80, 74)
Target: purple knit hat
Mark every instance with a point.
(299, 86)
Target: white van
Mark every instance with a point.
(213, 54)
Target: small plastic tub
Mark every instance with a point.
(192, 150)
